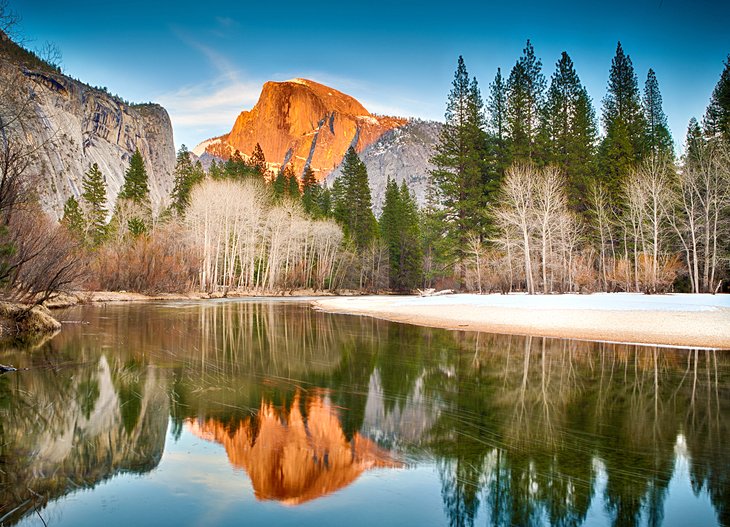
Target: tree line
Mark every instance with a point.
(526, 195)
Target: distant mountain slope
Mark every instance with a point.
(301, 122)
(77, 125)
(401, 153)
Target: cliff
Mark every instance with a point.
(70, 125)
(402, 154)
(301, 122)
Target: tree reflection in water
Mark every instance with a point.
(522, 430)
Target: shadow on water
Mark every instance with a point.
(521, 430)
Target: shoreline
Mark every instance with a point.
(694, 321)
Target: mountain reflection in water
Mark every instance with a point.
(293, 460)
(515, 430)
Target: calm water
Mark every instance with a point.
(269, 413)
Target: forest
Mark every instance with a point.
(527, 193)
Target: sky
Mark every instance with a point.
(205, 63)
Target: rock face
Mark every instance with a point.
(301, 122)
(76, 125)
(401, 154)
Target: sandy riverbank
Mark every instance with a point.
(672, 320)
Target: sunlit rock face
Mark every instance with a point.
(293, 458)
(301, 122)
(77, 125)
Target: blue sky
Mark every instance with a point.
(205, 62)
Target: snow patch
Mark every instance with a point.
(596, 301)
(200, 149)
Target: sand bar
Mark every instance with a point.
(671, 320)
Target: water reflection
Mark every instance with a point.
(292, 456)
(522, 431)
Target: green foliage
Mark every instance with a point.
(623, 119)
(73, 218)
(187, 176)
(569, 130)
(136, 182)
(137, 227)
(399, 228)
(717, 116)
(258, 161)
(94, 198)
(310, 193)
(497, 123)
(659, 139)
(353, 203)
(461, 182)
(525, 89)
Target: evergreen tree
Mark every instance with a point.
(581, 159)
(399, 227)
(279, 186)
(623, 119)
(215, 171)
(187, 176)
(658, 138)
(292, 184)
(258, 161)
(525, 89)
(461, 182)
(94, 197)
(497, 122)
(235, 167)
(73, 218)
(569, 130)
(136, 182)
(717, 116)
(353, 203)
(694, 142)
(310, 191)
(324, 201)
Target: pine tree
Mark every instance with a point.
(235, 167)
(658, 137)
(569, 130)
(279, 185)
(94, 198)
(497, 123)
(215, 171)
(460, 180)
(581, 160)
(399, 227)
(717, 116)
(623, 119)
(353, 202)
(525, 89)
(258, 161)
(136, 182)
(73, 218)
(293, 184)
(187, 176)
(694, 142)
(310, 192)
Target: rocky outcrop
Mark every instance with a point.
(302, 123)
(401, 154)
(75, 125)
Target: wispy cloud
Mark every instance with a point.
(213, 103)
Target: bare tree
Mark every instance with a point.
(515, 215)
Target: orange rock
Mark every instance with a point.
(291, 459)
(301, 121)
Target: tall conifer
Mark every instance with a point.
(353, 202)
(658, 138)
(525, 92)
(94, 198)
(717, 116)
